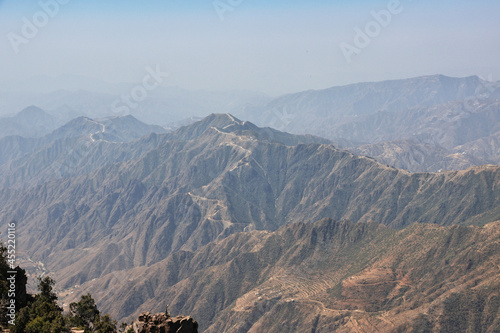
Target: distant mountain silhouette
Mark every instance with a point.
(434, 115)
(31, 122)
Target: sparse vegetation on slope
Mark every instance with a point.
(335, 276)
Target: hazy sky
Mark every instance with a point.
(270, 46)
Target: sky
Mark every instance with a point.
(275, 47)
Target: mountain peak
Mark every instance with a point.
(222, 119)
(32, 112)
(30, 122)
(217, 120)
(227, 123)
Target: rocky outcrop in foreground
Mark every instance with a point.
(163, 323)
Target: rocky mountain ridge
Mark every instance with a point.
(434, 115)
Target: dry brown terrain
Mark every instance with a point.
(325, 277)
(219, 219)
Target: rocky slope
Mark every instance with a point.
(416, 156)
(323, 277)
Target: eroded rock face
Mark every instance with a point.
(163, 323)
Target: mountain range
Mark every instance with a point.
(26, 160)
(207, 216)
(252, 229)
(163, 106)
(422, 124)
(419, 124)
